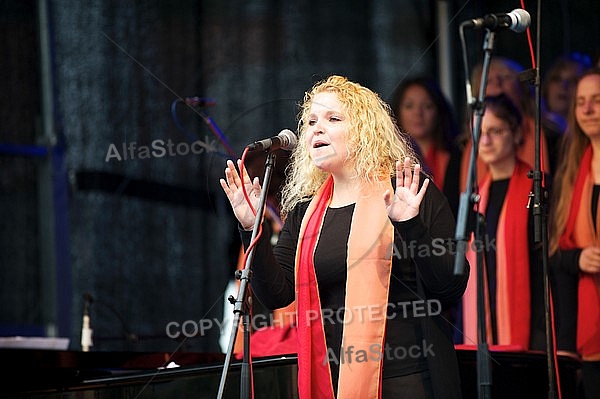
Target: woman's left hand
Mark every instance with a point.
(405, 202)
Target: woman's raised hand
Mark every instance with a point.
(405, 202)
(232, 186)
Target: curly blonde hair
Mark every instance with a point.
(374, 141)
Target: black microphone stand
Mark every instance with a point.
(242, 304)
(467, 212)
(538, 200)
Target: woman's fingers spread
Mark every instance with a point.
(245, 178)
(407, 172)
(415, 181)
(399, 177)
(226, 188)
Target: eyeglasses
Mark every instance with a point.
(495, 132)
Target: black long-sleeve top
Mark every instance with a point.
(422, 269)
(564, 274)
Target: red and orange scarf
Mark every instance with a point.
(580, 233)
(512, 271)
(368, 275)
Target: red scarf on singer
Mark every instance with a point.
(368, 275)
(579, 233)
(512, 267)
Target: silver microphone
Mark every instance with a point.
(518, 20)
(285, 140)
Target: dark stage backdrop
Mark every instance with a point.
(119, 68)
(151, 239)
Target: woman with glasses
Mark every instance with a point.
(504, 78)
(513, 289)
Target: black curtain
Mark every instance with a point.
(147, 256)
(151, 237)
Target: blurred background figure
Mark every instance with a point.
(422, 111)
(596, 60)
(574, 240)
(558, 88)
(503, 78)
(513, 285)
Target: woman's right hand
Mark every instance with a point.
(232, 186)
